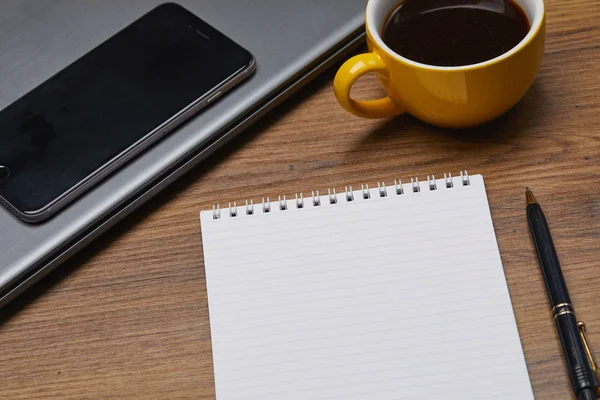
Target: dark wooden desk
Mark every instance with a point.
(128, 318)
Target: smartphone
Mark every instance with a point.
(86, 121)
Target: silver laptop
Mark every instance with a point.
(292, 41)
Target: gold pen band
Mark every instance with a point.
(561, 305)
(563, 312)
(562, 309)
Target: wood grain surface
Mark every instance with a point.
(128, 317)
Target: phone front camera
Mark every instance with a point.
(4, 173)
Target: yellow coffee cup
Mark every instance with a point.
(453, 97)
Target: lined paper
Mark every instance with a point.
(395, 297)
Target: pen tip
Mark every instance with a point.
(530, 198)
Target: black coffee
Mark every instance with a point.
(454, 32)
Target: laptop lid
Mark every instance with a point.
(289, 39)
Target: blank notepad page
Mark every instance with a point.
(387, 293)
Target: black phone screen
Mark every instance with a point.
(106, 102)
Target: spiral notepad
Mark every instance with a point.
(390, 292)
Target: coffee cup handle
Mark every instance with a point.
(348, 73)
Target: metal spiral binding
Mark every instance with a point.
(233, 211)
(415, 185)
(282, 205)
(299, 201)
(332, 197)
(382, 189)
(448, 181)
(349, 194)
(217, 212)
(464, 177)
(365, 192)
(266, 206)
(431, 182)
(316, 200)
(398, 185)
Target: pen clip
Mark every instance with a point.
(590, 353)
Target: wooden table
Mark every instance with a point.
(128, 317)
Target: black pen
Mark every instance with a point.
(578, 356)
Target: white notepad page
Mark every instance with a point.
(396, 297)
